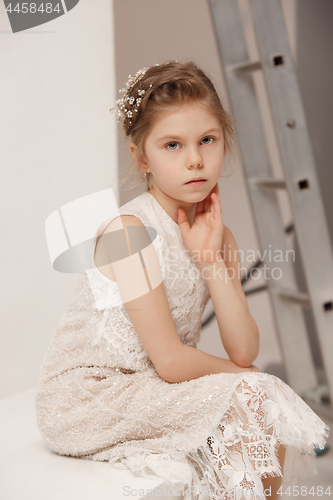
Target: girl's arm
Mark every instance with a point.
(173, 360)
(205, 241)
(153, 322)
(238, 330)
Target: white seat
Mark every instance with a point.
(29, 470)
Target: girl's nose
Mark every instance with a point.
(194, 158)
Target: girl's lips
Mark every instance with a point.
(195, 183)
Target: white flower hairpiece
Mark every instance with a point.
(120, 107)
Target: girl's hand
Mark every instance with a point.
(239, 369)
(251, 368)
(204, 239)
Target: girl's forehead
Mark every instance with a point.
(190, 106)
(182, 113)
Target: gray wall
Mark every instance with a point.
(315, 73)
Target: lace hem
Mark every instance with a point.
(228, 459)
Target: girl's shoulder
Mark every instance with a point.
(148, 210)
(139, 207)
(135, 211)
(136, 226)
(115, 234)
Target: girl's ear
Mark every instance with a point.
(139, 160)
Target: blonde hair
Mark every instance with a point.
(168, 86)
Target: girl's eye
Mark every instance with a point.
(172, 144)
(209, 138)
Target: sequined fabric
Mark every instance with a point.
(100, 398)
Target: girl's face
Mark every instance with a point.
(184, 143)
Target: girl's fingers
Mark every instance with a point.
(216, 200)
(208, 201)
(216, 205)
(217, 191)
(207, 205)
(183, 221)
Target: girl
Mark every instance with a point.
(123, 381)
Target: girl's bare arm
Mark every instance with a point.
(238, 330)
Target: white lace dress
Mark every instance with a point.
(100, 398)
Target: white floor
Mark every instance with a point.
(29, 471)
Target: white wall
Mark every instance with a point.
(58, 143)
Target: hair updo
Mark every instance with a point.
(171, 85)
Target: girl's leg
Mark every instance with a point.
(272, 484)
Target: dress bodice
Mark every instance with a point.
(96, 328)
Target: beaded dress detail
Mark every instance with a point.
(100, 398)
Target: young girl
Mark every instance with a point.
(124, 381)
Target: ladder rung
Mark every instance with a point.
(268, 183)
(294, 296)
(245, 67)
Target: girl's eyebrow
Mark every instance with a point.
(171, 136)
